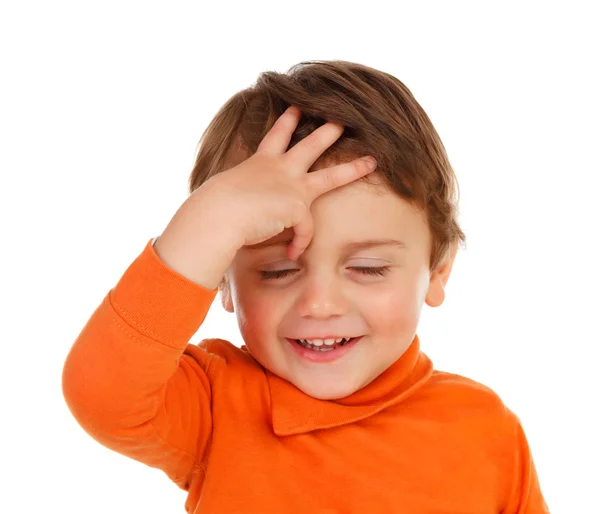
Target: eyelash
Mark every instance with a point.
(378, 271)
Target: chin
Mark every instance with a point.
(327, 393)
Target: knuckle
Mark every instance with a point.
(315, 141)
(298, 207)
(328, 178)
(318, 139)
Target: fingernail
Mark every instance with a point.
(371, 161)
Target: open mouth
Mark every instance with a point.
(325, 347)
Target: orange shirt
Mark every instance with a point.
(239, 439)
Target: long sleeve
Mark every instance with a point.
(526, 495)
(129, 380)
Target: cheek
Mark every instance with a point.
(393, 309)
(257, 310)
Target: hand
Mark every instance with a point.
(272, 190)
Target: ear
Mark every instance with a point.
(437, 282)
(225, 292)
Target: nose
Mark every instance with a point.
(321, 298)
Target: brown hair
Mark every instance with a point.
(381, 118)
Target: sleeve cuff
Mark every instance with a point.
(158, 302)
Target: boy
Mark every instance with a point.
(326, 259)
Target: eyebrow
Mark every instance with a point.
(352, 246)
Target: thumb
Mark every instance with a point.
(303, 233)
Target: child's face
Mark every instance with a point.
(325, 296)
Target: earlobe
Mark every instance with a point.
(436, 293)
(225, 292)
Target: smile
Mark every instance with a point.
(322, 346)
(322, 353)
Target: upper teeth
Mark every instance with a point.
(321, 342)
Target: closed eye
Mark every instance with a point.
(379, 271)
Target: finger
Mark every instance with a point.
(279, 135)
(304, 154)
(303, 233)
(326, 179)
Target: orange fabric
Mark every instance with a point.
(239, 439)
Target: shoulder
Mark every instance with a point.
(457, 395)
(473, 419)
(461, 388)
(471, 415)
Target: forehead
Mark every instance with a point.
(360, 211)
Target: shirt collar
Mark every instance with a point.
(294, 412)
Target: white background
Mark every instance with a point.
(102, 105)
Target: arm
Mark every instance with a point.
(128, 381)
(526, 495)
